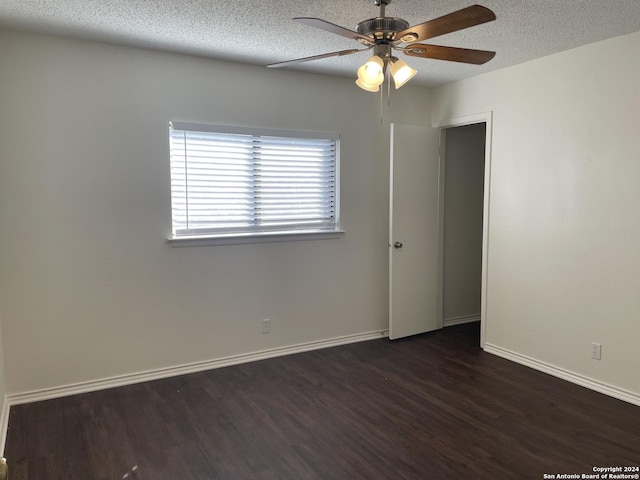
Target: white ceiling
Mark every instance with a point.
(262, 32)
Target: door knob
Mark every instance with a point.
(397, 245)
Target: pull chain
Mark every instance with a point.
(388, 88)
(381, 105)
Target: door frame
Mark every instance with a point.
(487, 119)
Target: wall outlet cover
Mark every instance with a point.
(266, 325)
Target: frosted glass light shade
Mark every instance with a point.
(369, 87)
(401, 73)
(370, 75)
(371, 70)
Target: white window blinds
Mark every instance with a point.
(232, 180)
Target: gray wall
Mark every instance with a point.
(89, 287)
(564, 229)
(4, 407)
(464, 188)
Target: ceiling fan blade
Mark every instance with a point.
(451, 54)
(459, 20)
(333, 28)
(317, 57)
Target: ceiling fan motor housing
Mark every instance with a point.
(382, 28)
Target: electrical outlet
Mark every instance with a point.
(596, 351)
(266, 325)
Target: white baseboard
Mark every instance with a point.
(4, 425)
(121, 380)
(450, 322)
(610, 390)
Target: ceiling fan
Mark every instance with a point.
(386, 34)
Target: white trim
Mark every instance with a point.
(450, 322)
(590, 383)
(487, 118)
(4, 425)
(442, 162)
(120, 380)
(261, 237)
(465, 120)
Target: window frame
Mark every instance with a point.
(229, 238)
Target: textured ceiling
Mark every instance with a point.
(262, 32)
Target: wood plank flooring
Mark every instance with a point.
(434, 406)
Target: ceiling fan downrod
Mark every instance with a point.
(381, 4)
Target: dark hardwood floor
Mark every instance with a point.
(434, 406)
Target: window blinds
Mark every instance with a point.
(228, 180)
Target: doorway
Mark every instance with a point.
(462, 236)
(465, 151)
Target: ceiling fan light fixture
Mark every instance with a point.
(401, 73)
(384, 34)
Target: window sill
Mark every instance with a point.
(239, 239)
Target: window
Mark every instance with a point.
(234, 181)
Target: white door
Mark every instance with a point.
(414, 231)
